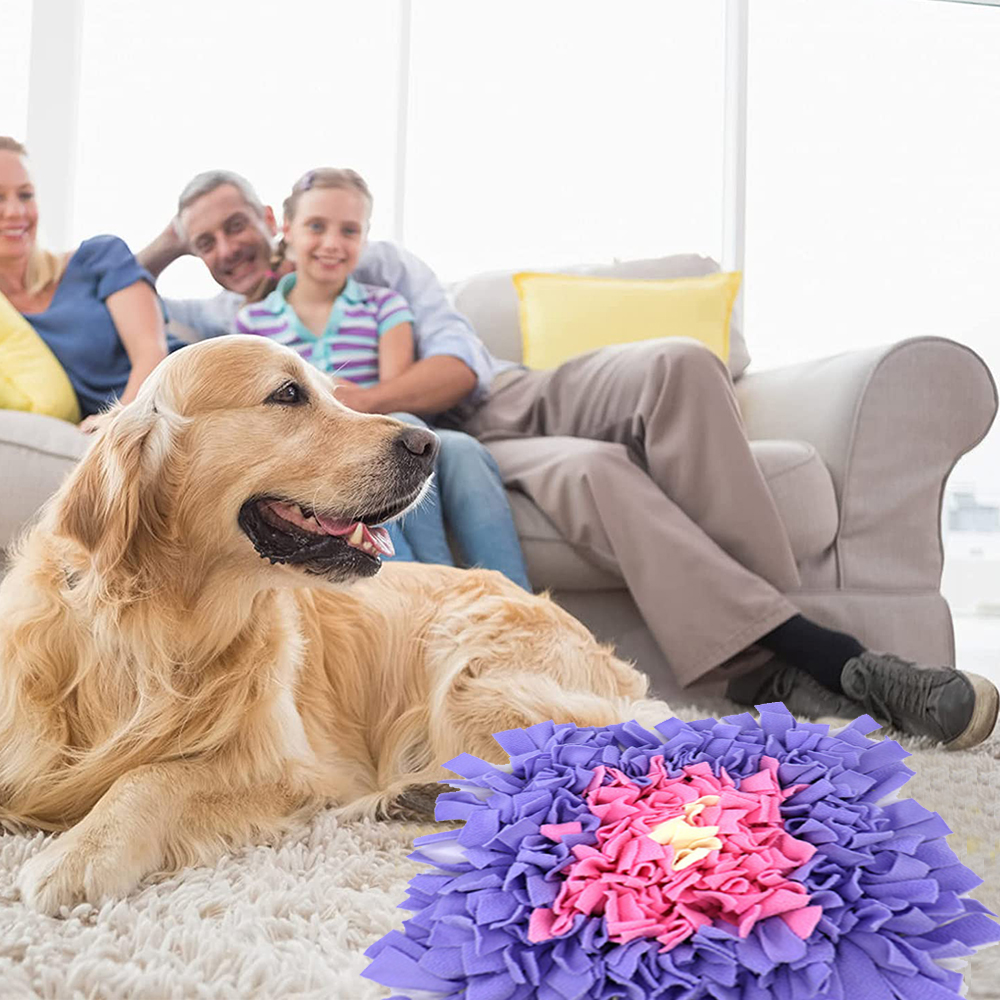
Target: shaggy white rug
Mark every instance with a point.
(294, 920)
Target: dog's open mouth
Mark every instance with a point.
(287, 532)
(357, 534)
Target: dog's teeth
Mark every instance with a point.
(357, 534)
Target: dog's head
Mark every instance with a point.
(237, 453)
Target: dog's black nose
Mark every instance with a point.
(419, 444)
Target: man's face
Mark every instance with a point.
(231, 237)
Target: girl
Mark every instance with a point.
(363, 334)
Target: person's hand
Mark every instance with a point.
(351, 395)
(170, 241)
(164, 250)
(90, 424)
(173, 237)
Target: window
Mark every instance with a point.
(15, 52)
(872, 204)
(168, 90)
(873, 212)
(562, 132)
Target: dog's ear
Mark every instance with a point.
(111, 495)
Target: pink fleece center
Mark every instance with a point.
(680, 853)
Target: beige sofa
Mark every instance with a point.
(856, 449)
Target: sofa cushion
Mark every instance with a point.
(490, 302)
(31, 378)
(36, 452)
(803, 491)
(798, 480)
(565, 315)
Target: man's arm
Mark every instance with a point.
(442, 335)
(429, 386)
(163, 251)
(191, 319)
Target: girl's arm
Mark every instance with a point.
(395, 351)
(139, 322)
(429, 386)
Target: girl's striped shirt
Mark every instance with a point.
(348, 347)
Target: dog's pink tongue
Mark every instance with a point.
(335, 526)
(377, 537)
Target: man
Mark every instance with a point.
(625, 449)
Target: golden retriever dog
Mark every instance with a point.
(199, 644)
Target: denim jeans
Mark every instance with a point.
(468, 494)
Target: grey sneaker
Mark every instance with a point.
(801, 694)
(956, 708)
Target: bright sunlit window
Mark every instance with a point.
(15, 52)
(565, 131)
(873, 203)
(872, 191)
(538, 134)
(168, 90)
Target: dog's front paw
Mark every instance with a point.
(70, 871)
(416, 803)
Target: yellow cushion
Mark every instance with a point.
(563, 315)
(30, 376)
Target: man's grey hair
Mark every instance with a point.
(209, 180)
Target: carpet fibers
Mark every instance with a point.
(293, 920)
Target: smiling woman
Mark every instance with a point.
(95, 309)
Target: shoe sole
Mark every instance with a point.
(984, 715)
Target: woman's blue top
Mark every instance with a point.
(78, 327)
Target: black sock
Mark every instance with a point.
(820, 652)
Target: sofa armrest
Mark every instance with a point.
(36, 453)
(890, 423)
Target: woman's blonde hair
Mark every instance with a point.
(44, 267)
(322, 177)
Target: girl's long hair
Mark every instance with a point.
(45, 268)
(322, 177)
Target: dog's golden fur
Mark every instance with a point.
(166, 693)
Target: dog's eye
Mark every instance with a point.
(290, 394)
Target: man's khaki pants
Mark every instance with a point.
(639, 456)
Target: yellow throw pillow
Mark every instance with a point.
(30, 376)
(563, 315)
